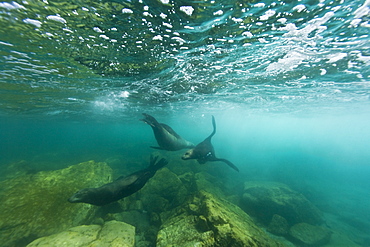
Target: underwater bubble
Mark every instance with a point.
(12, 5)
(187, 10)
(127, 11)
(56, 18)
(33, 22)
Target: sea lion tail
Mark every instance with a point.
(150, 120)
(229, 164)
(157, 165)
(153, 159)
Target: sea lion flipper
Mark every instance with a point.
(153, 159)
(157, 148)
(214, 125)
(155, 165)
(229, 164)
(214, 129)
(161, 163)
(150, 120)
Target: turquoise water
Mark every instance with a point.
(287, 81)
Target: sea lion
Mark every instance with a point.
(120, 188)
(166, 137)
(204, 151)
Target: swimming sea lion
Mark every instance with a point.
(120, 188)
(204, 151)
(166, 137)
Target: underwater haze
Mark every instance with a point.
(288, 83)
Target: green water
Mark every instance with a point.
(288, 84)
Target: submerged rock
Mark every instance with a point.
(36, 205)
(278, 225)
(264, 199)
(182, 230)
(309, 235)
(112, 234)
(341, 239)
(210, 221)
(163, 192)
(209, 183)
(16, 169)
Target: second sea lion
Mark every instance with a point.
(166, 137)
(204, 151)
(120, 188)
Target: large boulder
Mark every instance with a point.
(16, 169)
(205, 181)
(163, 192)
(210, 221)
(111, 234)
(309, 235)
(35, 205)
(181, 230)
(278, 225)
(265, 199)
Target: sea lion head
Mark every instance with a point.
(188, 155)
(81, 196)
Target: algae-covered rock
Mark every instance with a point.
(264, 199)
(36, 205)
(75, 236)
(16, 169)
(182, 231)
(341, 239)
(309, 235)
(207, 220)
(208, 183)
(111, 234)
(278, 225)
(163, 192)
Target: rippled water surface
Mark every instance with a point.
(70, 58)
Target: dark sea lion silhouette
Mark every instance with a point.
(166, 137)
(204, 151)
(120, 188)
